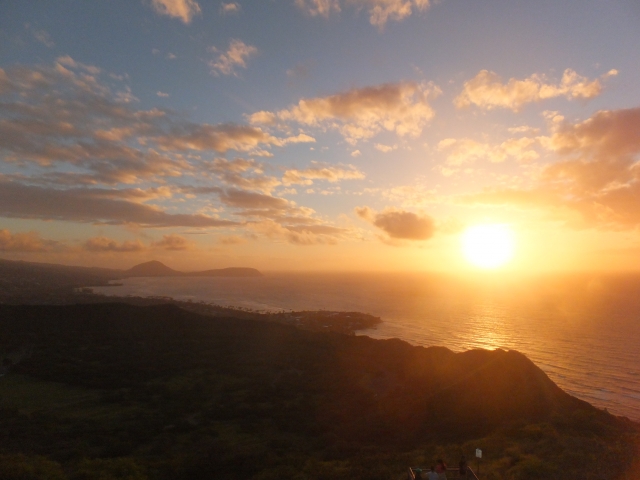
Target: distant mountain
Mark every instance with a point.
(151, 269)
(159, 269)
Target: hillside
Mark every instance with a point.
(224, 395)
(159, 269)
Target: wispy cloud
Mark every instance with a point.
(173, 243)
(25, 242)
(185, 10)
(234, 57)
(229, 8)
(361, 113)
(318, 171)
(104, 244)
(380, 11)
(487, 89)
(596, 182)
(40, 35)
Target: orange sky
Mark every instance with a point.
(319, 135)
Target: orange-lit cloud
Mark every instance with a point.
(330, 173)
(229, 8)
(232, 240)
(234, 57)
(380, 11)
(465, 150)
(300, 234)
(409, 196)
(185, 10)
(241, 173)
(596, 183)
(24, 242)
(98, 130)
(399, 224)
(487, 89)
(104, 244)
(361, 113)
(172, 242)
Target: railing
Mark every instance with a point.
(452, 473)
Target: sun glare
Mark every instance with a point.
(488, 246)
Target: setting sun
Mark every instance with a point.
(488, 246)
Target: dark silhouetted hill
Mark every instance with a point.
(159, 269)
(118, 391)
(355, 387)
(151, 269)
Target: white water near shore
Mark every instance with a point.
(582, 330)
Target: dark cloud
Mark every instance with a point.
(253, 200)
(399, 224)
(93, 206)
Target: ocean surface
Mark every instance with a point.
(582, 330)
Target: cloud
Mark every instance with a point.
(172, 242)
(356, 153)
(330, 173)
(218, 138)
(104, 244)
(399, 224)
(229, 8)
(361, 113)
(281, 219)
(98, 132)
(242, 173)
(93, 205)
(185, 10)
(85, 124)
(41, 36)
(24, 242)
(407, 195)
(253, 200)
(465, 150)
(302, 235)
(596, 181)
(384, 148)
(380, 11)
(524, 129)
(231, 240)
(162, 94)
(487, 90)
(235, 57)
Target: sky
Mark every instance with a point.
(361, 135)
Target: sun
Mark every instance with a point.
(488, 246)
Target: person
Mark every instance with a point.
(441, 469)
(432, 474)
(418, 473)
(463, 466)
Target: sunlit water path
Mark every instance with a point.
(582, 330)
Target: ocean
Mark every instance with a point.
(583, 330)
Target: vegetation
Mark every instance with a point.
(116, 391)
